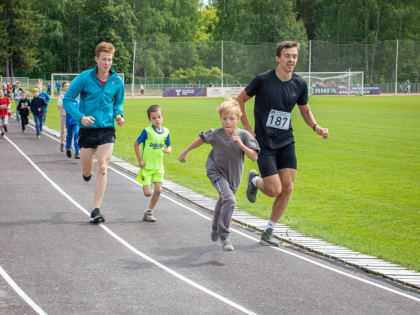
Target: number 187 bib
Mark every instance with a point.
(278, 119)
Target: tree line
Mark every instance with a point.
(44, 36)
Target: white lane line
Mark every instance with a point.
(275, 248)
(130, 247)
(21, 293)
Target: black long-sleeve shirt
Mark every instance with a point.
(36, 104)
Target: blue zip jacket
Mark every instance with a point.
(46, 97)
(104, 102)
(69, 120)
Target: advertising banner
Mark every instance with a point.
(344, 90)
(227, 91)
(183, 92)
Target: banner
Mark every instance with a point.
(227, 91)
(344, 90)
(183, 92)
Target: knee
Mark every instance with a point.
(147, 193)
(229, 201)
(273, 191)
(158, 190)
(101, 168)
(287, 189)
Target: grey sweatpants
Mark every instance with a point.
(224, 208)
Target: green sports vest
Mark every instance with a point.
(153, 148)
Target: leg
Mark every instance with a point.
(156, 194)
(287, 177)
(227, 205)
(103, 155)
(87, 155)
(75, 137)
(63, 128)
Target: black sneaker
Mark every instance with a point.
(87, 178)
(77, 156)
(214, 236)
(96, 216)
(68, 153)
(5, 128)
(267, 238)
(62, 147)
(2, 134)
(251, 189)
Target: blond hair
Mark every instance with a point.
(230, 106)
(104, 47)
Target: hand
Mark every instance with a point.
(142, 164)
(120, 121)
(182, 157)
(87, 120)
(323, 132)
(237, 140)
(167, 150)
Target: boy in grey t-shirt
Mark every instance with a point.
(225, 165)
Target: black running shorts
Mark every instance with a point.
(92, 137)
(270, 161)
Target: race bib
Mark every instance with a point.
(278, 119)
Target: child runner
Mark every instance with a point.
(225, 165)
(4, 113)
(17, 95)
(60, 107)
(72, 133)
(156, 142)
(23, 109)
(38, 106)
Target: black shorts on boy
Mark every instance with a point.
(92, 137)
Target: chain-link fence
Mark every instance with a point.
(159, 65)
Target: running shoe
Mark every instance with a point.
(251, 189)
(5, 128)
(77, 156)
(96, 216)
(38, 137)
(214, 236)
(62, 147)
(267, 238)
(68, 153)
(148, 216)
(226, 245)
(2, 134)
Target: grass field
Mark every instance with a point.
(359, 189)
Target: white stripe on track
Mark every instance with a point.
(130, 247)
(21, 293)
(275, 248)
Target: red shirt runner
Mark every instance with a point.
(4, 106)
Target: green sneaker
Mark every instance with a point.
(251, 189)
(267, 238)
(148, 217)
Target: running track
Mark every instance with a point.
(52, 261)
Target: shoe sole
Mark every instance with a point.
(149, 220)
(97, 220)
(248, 188)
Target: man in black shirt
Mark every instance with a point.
(276, 93)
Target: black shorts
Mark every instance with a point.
(92, 137)
(270, 161)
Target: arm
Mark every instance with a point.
(73, 91)
(142, 164)
(250, 153)
(195, 144)
(118, 104)
(309, 118)
(242, 98)
(60, 101)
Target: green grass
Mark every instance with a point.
(359, 189)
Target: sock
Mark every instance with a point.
(254, 180)
(87, 178)
(270, 225)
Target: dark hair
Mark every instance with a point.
(286, 44)
(153, 109)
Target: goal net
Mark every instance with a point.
(334, 83)
(58, 78)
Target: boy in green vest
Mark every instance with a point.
(156, 142)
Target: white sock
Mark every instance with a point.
(270, 225)
(254, 180)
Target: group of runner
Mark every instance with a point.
(94, 100)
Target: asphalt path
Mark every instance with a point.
(52, 260)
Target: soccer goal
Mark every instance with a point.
(60, 77)
(334, 83)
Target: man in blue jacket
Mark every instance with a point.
(101, 102)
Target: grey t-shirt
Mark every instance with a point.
(227, 158)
